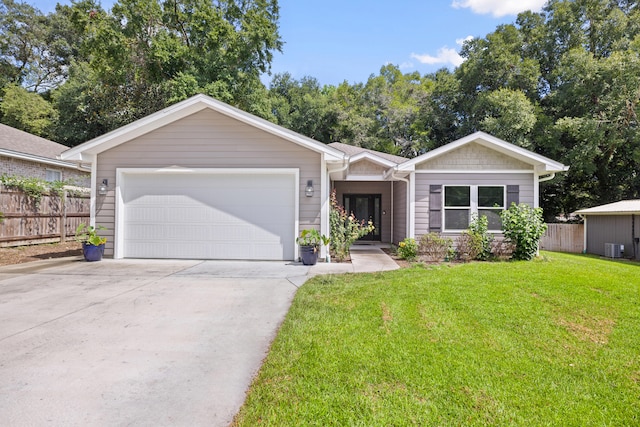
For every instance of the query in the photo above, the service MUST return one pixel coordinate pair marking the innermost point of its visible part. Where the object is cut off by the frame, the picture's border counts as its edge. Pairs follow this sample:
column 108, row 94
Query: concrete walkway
column 365, row 258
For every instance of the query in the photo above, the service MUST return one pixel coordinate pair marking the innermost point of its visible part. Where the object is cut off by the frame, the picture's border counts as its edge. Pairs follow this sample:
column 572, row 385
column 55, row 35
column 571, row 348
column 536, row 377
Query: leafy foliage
column 88, row 234
column 408, row 249
column 562, row 83
column 345, row 229
column 35, row 188
column 434, row 247
column 478, row 228
column 523, row 226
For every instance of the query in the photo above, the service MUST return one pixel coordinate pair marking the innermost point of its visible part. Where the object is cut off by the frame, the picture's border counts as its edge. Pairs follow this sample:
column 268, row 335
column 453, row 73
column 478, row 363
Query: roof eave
column 40, row 159
column 184, row 109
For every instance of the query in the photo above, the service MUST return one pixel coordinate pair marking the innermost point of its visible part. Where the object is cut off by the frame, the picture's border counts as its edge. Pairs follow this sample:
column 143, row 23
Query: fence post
column 63, row 217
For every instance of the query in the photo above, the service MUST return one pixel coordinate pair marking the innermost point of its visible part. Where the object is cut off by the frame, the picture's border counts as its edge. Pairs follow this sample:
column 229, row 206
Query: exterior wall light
column 308, row 191
column 104, row 187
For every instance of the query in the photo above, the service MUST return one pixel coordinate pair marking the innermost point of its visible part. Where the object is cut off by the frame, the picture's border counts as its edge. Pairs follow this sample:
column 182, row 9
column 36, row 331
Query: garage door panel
column 209, row 216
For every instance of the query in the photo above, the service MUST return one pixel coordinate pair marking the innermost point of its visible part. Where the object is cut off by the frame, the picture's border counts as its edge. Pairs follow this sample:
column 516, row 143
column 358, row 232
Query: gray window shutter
column 513, row 195
column 435, row 208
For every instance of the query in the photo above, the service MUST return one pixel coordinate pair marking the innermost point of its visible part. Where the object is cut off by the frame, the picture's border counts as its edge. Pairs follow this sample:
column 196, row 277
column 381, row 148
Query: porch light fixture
column 104, row 187
column 308, row 191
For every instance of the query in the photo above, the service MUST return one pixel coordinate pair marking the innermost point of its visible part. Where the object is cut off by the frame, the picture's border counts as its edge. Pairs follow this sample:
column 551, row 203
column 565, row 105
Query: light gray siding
column 474, row 157
column 370, row 187
column 424, row 180
column 208, row 139
column 399, row 211
column 603, row 229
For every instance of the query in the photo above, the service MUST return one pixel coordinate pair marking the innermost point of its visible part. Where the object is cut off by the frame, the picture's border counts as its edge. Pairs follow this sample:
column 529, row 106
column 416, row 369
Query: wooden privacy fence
column 563, row 238
column 51, row 219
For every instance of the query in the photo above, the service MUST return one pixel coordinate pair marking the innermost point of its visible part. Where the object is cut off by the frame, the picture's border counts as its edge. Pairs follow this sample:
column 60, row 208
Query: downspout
column 634, row 243
column 345, row 165
column 584, row 239
column 391, row 183
column 406, row 181
column 547, row 178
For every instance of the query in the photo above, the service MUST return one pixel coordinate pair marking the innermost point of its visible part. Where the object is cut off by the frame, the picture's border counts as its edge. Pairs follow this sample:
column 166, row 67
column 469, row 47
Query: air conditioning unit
column 613, row 250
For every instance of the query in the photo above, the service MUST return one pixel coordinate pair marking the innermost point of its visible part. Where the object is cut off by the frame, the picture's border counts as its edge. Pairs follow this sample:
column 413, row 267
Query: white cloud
column 499, row 8
column 444, row 56
column 459, row 42
column 406, row 66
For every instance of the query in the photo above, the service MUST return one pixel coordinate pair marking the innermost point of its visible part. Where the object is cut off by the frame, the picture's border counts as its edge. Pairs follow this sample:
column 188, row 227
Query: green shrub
column 478, row 228
column 523, row 226
column 345, row 229
column 434, row 247
column 408, row 249
column 468, row 246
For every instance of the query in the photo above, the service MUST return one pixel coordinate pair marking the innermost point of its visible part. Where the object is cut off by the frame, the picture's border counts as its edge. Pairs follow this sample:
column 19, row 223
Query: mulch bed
column 22, row 254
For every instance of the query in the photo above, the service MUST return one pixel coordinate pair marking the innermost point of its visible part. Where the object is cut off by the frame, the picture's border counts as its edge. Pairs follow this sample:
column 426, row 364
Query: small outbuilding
column 613, row 230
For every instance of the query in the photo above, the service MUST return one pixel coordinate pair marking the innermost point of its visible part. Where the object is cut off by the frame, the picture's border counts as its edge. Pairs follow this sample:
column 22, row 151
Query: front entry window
column 365, row 207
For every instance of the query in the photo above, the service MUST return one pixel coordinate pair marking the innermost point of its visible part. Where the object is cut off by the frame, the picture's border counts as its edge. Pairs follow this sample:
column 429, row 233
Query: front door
column 365, row 207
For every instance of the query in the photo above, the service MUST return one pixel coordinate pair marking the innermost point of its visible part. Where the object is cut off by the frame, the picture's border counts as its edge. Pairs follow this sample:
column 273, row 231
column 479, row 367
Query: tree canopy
column 564, row 83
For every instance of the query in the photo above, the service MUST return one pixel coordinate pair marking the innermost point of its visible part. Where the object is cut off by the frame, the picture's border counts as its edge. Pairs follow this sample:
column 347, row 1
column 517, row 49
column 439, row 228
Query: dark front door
column 365, row 207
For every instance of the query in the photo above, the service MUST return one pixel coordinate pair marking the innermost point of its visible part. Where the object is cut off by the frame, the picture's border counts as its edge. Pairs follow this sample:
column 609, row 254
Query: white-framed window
column 461, row 201
column 52, row 175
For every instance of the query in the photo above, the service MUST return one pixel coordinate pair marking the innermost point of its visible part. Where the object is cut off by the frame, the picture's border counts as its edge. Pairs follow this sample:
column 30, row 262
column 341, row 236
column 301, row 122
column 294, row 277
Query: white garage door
column 212, row 215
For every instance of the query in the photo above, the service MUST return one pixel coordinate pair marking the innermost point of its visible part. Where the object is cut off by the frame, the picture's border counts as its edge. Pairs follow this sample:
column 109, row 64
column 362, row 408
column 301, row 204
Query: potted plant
column 92, row 243
column 309, row 242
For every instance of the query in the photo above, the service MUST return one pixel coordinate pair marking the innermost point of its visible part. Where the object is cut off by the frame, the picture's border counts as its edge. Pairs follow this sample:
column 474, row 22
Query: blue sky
column 338, row 40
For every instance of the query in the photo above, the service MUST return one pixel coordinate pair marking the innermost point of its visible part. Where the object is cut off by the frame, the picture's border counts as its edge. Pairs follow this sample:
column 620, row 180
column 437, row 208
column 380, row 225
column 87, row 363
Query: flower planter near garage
column 92, row 243
column 309, row 255
column 310, row 241
column 92, row 252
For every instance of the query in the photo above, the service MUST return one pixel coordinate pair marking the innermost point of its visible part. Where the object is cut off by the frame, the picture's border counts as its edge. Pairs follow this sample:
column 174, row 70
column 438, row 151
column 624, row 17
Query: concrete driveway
column 136, row 342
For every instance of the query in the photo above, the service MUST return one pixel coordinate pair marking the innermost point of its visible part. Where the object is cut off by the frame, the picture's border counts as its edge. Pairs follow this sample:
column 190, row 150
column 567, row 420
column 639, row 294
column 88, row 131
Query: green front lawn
column 554, row 341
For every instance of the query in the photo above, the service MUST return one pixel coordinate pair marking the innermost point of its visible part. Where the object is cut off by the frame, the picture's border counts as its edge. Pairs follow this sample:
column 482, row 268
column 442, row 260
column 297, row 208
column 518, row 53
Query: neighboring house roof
column 25, row 146
column 623, row 207
column 542, row 164
column 85, row 152
column 353, row 151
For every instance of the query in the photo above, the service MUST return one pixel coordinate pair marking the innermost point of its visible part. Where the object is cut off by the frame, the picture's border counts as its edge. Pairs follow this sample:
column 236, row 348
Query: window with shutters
column 461, row 201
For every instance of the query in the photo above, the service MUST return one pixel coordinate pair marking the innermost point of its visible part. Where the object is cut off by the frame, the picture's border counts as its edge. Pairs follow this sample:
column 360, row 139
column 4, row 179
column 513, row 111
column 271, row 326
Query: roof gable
column 541, row 164
column 87, row 150
column 474, row 156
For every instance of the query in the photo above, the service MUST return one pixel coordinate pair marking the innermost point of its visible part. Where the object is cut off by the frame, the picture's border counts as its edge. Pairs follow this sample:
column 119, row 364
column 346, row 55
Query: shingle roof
column 621, row 207
column 353, row 150
column 22, row 142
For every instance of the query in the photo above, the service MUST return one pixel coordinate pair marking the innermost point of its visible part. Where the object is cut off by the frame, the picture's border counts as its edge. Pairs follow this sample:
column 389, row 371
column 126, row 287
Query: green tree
column 26, row 110
column 146, row 54
column 34, row 48
column 507, row 114
column 302, row 106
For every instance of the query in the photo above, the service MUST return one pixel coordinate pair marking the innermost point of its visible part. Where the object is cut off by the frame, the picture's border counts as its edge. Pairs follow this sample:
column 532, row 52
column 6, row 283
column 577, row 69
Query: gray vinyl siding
column 424, row 180
column 370, row 187
column 603, row 229
column 399, row 211
column 208, row 139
